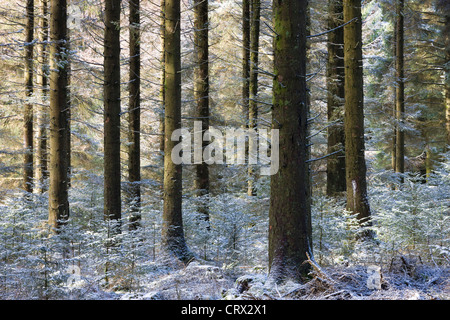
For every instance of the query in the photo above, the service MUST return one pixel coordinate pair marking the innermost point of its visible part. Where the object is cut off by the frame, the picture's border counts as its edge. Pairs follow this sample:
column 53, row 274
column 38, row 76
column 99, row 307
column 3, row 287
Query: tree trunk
column 357, row 201
column 28, row 112
column 134, row 151
column 111, row 96
column 201, row 94
column 400, row 92
column 394, row 109
column 445, row 8
column 289, row 220
column 42, row 154
column 245, row 55
column 58, row 188
column 173, row 241
column 162, row 88
column 246, row 66
column 335, row 100
column 253, row 86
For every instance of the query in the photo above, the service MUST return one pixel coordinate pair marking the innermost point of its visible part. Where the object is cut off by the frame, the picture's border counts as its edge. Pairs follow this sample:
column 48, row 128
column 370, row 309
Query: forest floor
column 405, row 280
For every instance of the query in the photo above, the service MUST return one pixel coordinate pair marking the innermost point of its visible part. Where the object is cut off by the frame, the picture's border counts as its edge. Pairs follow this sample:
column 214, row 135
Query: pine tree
column 400, row 91
column 289, row 220
column 42, row 121
column 173, row 240
column 357, row 201
column 58, row 188
column 111, row 96
column 134, row 131
column 444, row 9
column 201, row 93
column 335, row 100
column 28, row 113
column 253, row 85
column 162, row 87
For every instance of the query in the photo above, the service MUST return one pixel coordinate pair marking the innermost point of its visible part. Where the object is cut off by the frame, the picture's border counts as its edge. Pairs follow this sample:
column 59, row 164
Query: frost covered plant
column 235, row 233
column 413, row 217
column 334, row 230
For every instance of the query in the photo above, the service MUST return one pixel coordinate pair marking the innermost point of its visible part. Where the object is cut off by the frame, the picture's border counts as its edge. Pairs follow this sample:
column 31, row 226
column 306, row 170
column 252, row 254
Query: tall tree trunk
column 134, row 151
column 444, row 8
column 335, row 100
column 111, row 96
column 447, row 84
column 58, row 188
column 289, row 220
column 69, row 109
column 41, row 152
column 201, row 94
column 246, row 65
column 253, row 86
column 28, row 112
column 162, row 88
column 357, row 201
column 400, row 92
column 245, row 55
column 173, row 240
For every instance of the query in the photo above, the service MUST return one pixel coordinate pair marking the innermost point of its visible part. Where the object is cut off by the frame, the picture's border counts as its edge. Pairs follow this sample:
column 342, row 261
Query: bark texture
column 42, row 121
column 201, row 94
column 59, row 117
column 173, row 240
column 134, row 114
column 253, row 87
column 399, row 91
column 111, row 96
column 335, row 100
column 28, row 112
column 289, row 214
column 357, row 201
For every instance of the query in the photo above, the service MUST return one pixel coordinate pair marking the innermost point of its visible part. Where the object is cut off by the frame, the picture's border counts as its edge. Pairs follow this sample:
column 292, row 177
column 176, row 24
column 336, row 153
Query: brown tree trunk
column 28, row 112
column 289, row 220
column 246, row 64
column 58, row 188
column 357, row 201
column 42, row 154
column 253, row 86
column 111, row 96
column 201, row 94
column 173, row 241
column 162, row 88
column 444, row 7
column 134, row 151
column 400, row 92
column 335, row 100
column 245, row 55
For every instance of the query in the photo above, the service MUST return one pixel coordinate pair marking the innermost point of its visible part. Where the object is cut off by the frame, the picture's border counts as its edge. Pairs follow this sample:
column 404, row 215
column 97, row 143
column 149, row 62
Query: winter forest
column 224, row 150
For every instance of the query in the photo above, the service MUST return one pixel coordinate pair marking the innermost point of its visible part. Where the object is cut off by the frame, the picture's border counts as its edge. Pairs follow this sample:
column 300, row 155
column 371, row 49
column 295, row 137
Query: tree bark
column 245, row 56
column 162, row 88
column 173, row 241
column 357, row 201
column 289, row 220
column 111, row 96
column 58, row 187
column 253, row 86
column 335, row 100
column 246, row 64
column 28, row 112
column 41, row 152
column 445, row 9
column 201, row 94
column 134, row 151
column 400, row 92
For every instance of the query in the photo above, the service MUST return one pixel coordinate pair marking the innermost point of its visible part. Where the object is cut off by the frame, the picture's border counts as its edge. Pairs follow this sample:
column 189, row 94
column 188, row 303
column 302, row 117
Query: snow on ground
column 208, row 282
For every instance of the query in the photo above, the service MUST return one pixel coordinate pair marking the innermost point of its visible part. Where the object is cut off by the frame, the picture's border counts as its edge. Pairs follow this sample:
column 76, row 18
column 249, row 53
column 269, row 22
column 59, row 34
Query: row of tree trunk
column 290, row 243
